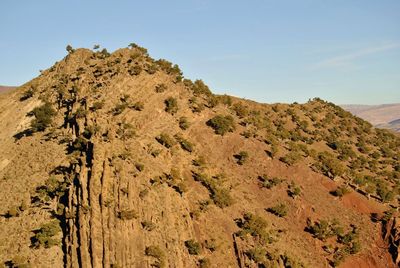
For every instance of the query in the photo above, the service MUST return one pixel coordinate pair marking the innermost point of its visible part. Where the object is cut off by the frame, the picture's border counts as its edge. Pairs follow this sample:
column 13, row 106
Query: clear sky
column 344, row 51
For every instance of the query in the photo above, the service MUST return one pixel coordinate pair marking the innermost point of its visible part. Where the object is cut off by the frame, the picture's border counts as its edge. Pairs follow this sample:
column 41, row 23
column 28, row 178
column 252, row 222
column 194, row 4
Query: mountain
column 382, row 116
column 5, row 88
column 117, row 160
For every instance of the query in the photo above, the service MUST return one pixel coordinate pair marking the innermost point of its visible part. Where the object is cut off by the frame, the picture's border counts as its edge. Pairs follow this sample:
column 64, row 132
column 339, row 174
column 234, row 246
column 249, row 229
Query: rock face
column 392, row 237
column 139, row 167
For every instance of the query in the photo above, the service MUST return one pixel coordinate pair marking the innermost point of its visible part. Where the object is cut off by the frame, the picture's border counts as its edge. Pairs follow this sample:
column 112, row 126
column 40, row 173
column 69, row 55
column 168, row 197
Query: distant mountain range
column 382, row 116
column 5, row 88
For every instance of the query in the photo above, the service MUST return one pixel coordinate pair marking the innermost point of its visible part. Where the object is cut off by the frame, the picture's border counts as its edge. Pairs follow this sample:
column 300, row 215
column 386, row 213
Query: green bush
column 291, row 158
column 185, row 144
column 138, row 106
column 240, row 110
column 341, row 191
column 184, row 123
column 222, row 124
column 193, row 247
column 269, row 182
column 135, row 70
column 279, row 210
column 199, row 88
column 127, row 214
column 219, row 195
column 161, row 88
column 43, row 117
column 293, row 190
column 148, row 225
column 44, row 236
column 255, row 226
column 324, row 229
column 157, row 253
column 171, row 105
column 139, row 167
column 27, row 95
column 166, row 140
column 241, row 157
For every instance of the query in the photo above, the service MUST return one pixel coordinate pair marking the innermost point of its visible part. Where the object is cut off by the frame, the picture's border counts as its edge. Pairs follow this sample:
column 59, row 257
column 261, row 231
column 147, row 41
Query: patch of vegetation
column 340, row 191
column 241, row 157
column 157, row 253
column 165, row 140
column 291, row 158
column 269, row 182
column 27, row 94
column 221, row 196
column 329, row 165
column 279, row 210
column 160, row 88
column 193, row 247
column 171, row 105
column 185, row 144
column 138, row 106
column 199, row 88
column 184, row 123
column 293, row 190
column 222, row 124
column 148, row 225
column 255, row 226
column 119, row 108
column 45, row 235
column 324, row 229
column 240, row 110
column 127, row 214
column 43, row 117
column 125, row 131
column 139, row 167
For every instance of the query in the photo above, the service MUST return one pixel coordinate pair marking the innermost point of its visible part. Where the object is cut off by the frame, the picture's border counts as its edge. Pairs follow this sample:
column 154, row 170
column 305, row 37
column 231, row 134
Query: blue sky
column 344, row 51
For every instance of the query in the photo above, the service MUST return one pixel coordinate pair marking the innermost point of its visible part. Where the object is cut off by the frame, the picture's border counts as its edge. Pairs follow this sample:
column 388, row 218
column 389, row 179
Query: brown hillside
column 115, row 160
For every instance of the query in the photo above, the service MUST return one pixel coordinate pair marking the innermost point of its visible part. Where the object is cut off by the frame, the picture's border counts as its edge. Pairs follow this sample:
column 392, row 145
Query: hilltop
column 117, row 160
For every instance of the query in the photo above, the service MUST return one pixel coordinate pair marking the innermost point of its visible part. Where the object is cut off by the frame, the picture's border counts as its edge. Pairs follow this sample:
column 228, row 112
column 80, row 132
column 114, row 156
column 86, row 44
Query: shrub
column 340, row 191
column 148, row 225
column 329, row 165
column 293, row 190
column 199, row 88
column 324, row 229
column 166, row 140
column 193, row 247
column 219, row 195
column 69, row 49
column 184, row 123
column 161, row 88
column 43, row 117
column 204, row 263
column 222, row 124
column 279, row 210
column 199, row 162
column 241, row 157
column 171, row 105
column 255, row 226
column 157, row 253
column 44, row 236
column 127, row 214
column 240, row 110
column 256, row 254
column 291, row 158
column 27, row 95
column 135, row 70
column 119, row 108
column 97, row 106
column 138, row 106
column 139, row 167
column 269, row 183
column 185, row 144
column 125, row 131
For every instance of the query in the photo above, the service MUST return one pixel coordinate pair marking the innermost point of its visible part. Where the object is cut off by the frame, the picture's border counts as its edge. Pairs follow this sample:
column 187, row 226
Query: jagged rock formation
column 392, row 237
column 143, row 168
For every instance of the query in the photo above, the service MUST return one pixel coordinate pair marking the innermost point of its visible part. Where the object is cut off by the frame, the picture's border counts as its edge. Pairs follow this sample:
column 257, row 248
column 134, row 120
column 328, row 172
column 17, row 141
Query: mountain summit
column 117, row 160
